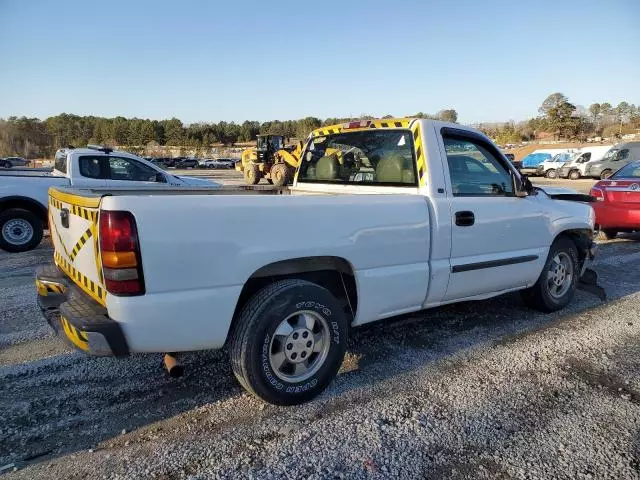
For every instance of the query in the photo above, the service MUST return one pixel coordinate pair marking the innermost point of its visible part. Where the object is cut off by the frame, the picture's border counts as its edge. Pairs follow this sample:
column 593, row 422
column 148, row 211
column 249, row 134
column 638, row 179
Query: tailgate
column 623, row 192
column 73, row 222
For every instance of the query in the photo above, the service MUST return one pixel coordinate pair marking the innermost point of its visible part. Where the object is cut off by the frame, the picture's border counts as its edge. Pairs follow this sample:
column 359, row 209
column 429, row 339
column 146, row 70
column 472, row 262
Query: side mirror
column 521, row 186
column 160, row 178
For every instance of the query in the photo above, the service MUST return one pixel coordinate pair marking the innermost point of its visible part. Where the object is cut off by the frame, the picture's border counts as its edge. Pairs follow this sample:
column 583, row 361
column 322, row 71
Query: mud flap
column 589, row 283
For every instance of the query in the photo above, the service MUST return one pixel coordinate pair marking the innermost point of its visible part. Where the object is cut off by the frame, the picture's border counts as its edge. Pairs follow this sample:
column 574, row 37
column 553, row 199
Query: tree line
column 562, row 119
column 32, row 137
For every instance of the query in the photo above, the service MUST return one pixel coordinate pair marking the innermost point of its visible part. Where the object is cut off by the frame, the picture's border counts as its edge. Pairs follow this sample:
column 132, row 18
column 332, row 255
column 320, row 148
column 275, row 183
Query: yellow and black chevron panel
column 55, row 202
column 80, row 243
column 75, row 336
column 95, row 291
column 420, row 158
column 386, row 123
column 45, row 288
column 85, row 213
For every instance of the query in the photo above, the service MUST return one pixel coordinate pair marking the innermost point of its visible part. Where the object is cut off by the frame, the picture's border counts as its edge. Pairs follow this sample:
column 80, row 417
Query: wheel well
column 582, row 238
column 25, row 204
column 333, row 273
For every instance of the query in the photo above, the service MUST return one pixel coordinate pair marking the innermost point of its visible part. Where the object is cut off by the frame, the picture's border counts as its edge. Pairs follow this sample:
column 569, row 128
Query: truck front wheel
column 289, row 342
column 551, row 173
column 557, row 282
column 280, row 174
column 20, row 230
column 251, row 174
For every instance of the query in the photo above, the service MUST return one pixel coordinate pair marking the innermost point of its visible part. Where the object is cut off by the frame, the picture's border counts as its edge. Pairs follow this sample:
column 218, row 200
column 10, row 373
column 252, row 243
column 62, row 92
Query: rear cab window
column 60, row 163
column 365, row 157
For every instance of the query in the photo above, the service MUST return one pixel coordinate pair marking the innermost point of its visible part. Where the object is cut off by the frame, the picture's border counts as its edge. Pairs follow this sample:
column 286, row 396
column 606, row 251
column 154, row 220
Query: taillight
column 120, row 253
column 597, row 193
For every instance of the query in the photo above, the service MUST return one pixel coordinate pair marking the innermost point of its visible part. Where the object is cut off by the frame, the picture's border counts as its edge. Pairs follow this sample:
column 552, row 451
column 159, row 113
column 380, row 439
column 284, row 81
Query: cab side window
column 474, row 170
column 91, row 167
column 623, row 154
column 127, row 169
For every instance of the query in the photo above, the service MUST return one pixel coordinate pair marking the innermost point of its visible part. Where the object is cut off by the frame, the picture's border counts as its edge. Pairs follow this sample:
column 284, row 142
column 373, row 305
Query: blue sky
column 262, row 60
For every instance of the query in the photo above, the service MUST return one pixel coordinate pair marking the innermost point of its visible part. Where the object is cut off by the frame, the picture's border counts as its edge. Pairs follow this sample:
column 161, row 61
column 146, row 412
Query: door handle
column 465, row 218
column 64, row 217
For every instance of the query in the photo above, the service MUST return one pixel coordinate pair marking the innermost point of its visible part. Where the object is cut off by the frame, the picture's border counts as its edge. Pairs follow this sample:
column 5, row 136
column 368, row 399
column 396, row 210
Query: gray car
column 620, row 155
column 13, row 162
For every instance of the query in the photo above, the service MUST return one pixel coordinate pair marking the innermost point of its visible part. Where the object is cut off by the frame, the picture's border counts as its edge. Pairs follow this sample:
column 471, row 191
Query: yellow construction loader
column 271, row 160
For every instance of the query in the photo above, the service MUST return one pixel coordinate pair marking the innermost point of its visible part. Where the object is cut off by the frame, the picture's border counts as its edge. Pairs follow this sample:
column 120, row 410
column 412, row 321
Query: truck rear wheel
column 557, row 282
column 606, row 174
column 20, row 230
column 289, row 342
column 574, row 174
column 280, row 174
column 251, row 174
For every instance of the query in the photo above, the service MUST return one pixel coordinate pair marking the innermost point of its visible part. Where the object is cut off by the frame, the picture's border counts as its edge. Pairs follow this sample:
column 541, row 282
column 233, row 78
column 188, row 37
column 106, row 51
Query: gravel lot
column 477, row 390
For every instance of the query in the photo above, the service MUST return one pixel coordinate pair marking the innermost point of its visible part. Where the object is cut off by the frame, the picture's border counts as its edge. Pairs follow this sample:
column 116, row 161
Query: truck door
column 498, row 241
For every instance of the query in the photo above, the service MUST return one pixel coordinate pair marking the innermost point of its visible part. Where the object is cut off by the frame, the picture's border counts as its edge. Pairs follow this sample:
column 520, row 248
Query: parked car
column 529, row 164
column 618, row 205
column 24, row 198
column 576, row 166
column 217, row 163
column 549, row 168
column 186, row 163
column 385, row 222
column 9, row 162
column 615, row 158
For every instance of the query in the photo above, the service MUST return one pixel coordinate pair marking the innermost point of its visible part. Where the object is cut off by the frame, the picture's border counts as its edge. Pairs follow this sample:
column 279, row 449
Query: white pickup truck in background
column 24, row 194
column 384, row 218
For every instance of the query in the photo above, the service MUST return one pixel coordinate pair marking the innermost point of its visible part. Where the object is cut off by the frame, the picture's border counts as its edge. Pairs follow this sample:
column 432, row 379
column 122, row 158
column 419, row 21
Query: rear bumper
column 610, row 216
column 529, row 170
column 76, row 317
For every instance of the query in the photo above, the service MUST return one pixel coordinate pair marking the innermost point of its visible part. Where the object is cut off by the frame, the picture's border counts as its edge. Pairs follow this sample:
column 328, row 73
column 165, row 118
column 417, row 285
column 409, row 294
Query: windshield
column 371, row 157
column 611, row 154
column 628, row 171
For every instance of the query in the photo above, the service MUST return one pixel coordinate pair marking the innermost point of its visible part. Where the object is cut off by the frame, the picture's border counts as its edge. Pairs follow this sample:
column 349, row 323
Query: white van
column 575, row 167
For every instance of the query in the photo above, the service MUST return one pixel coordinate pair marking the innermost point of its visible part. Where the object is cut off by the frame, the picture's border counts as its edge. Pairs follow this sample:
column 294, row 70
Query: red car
column 618, row 205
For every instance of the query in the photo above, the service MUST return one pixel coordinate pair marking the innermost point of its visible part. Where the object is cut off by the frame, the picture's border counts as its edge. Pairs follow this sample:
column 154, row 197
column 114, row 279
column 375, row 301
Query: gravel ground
column 477, row 390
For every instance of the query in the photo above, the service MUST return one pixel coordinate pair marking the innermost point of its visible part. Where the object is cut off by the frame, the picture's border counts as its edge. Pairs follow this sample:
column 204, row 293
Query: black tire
column 253, row 338
column 608, row 233
column 538, row 296
column 606, row 173
column 574, row 174
column 280, row 174
column 551, row 173
column 251, row 174
column 10, row 245
column 5, row 164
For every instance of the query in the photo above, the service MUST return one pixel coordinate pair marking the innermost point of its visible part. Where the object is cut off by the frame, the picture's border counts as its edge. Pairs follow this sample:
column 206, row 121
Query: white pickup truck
column 384, row 218
column 23, row 195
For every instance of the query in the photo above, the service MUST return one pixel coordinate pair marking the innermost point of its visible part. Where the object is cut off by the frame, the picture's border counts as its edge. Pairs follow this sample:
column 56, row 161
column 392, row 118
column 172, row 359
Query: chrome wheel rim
column 17, row 231
column 560, row 275
column 299, row 346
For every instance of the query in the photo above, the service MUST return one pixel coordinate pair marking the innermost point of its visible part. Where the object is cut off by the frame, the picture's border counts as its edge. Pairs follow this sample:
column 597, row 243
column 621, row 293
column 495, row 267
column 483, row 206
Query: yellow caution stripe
column 385, row 123
column 46, row 287
column 91, row 288
column 80, row 243
column 420, row 158
column 77, row 337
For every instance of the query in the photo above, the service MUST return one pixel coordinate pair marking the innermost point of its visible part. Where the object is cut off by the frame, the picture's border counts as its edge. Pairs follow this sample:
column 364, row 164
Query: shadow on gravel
column 72, row 402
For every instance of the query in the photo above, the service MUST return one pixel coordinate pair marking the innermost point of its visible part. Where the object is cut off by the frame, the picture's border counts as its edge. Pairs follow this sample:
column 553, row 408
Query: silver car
column 616, row 158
